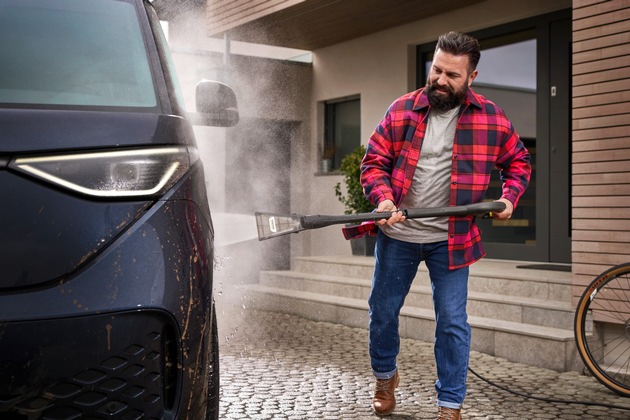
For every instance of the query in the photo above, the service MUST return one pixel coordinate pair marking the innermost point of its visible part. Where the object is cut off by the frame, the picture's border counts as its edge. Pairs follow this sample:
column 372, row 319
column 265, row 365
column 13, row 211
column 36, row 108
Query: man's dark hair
column 457, row 43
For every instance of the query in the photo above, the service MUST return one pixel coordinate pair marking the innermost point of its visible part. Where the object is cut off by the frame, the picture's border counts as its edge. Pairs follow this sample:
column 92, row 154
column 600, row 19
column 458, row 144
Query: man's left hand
column 505, row 214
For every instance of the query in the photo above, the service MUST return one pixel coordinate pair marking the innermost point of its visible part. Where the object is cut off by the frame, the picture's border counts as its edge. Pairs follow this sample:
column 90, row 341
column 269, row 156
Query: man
column 435, row 147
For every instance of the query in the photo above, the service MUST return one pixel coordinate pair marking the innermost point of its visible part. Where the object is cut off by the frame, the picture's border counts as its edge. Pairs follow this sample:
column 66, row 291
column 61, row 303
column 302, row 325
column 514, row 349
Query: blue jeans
column 396, row 265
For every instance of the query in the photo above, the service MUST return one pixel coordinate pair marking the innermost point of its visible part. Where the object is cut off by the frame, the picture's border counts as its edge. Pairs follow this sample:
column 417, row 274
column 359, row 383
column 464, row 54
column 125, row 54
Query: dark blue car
column 106, row 240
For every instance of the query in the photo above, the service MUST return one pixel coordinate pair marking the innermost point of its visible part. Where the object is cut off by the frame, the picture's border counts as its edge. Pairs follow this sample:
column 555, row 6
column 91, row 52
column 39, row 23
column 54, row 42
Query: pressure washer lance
column 271, row 225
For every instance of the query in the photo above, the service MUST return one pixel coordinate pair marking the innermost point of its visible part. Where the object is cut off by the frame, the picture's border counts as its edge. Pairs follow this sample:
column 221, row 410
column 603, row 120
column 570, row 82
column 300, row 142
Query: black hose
column 549, row 400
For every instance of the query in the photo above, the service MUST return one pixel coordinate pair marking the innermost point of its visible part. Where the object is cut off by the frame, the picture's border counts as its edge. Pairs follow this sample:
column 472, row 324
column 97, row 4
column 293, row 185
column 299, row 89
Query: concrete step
column 486, row 276
column 543, row 312
column 535, row 345
column 521, row 314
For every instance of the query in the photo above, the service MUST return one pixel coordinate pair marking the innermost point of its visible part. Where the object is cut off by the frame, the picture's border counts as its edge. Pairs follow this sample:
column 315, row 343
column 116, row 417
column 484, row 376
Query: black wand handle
column 477, row 209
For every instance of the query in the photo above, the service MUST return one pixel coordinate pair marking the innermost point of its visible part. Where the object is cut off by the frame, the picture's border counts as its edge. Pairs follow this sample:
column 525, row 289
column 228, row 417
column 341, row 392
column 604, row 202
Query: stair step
column 515, row 341
column 486, row 276
column 510, row 308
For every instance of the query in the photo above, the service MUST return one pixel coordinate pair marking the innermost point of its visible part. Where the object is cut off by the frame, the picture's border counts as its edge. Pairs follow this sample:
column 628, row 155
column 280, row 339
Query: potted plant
column 354, row 200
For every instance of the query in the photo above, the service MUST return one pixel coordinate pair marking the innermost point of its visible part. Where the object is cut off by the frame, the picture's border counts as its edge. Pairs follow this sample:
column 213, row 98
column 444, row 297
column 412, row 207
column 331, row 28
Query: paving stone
column 278, row 366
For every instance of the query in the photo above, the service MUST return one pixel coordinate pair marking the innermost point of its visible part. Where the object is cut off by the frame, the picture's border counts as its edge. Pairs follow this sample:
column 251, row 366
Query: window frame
column 330, row 149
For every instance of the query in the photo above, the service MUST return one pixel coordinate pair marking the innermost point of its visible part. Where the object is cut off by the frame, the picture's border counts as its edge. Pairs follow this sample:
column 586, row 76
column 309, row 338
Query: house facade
column 560, row 70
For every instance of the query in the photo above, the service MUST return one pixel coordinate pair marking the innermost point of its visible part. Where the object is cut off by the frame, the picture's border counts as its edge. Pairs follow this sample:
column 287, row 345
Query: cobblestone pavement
column 277, row 366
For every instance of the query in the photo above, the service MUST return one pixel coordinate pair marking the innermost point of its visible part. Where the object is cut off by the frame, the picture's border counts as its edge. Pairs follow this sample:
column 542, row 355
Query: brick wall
column 601, row 137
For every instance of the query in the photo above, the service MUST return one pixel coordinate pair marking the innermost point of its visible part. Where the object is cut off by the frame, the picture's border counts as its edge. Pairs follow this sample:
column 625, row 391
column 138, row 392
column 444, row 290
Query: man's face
column 448, row 80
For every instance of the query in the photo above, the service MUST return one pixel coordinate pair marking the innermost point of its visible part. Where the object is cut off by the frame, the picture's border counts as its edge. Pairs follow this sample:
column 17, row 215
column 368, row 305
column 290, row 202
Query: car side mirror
column 216, row 105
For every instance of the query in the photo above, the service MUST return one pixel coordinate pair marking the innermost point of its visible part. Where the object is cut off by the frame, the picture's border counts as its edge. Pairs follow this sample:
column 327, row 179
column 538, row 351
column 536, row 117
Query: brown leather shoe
column 449, row 414
column 384, row 400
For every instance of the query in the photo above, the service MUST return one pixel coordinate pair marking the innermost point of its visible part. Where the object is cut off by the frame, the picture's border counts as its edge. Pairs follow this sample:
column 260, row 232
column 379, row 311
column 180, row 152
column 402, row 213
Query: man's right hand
column 388, row 205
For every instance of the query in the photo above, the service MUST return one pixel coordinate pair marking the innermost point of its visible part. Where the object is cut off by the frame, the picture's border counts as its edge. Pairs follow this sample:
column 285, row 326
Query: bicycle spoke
column 612, row 302
column 602, row 326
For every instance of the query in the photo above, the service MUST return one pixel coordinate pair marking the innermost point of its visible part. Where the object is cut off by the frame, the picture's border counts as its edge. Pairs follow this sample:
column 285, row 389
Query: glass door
column 507, row 76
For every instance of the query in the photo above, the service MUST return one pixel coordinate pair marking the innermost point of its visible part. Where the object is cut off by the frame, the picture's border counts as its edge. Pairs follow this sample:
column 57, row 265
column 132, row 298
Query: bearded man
column 435, row 147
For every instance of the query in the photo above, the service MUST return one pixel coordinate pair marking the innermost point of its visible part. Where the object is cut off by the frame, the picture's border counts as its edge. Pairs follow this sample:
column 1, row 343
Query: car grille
column 135, row 378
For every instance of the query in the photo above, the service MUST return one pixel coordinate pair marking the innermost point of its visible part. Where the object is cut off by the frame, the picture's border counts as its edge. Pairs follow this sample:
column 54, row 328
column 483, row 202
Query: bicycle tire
column 606, row 355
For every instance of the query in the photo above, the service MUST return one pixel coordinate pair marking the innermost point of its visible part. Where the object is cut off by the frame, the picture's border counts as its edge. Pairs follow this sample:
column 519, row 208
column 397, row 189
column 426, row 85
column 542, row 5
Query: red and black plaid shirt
column 484, row 139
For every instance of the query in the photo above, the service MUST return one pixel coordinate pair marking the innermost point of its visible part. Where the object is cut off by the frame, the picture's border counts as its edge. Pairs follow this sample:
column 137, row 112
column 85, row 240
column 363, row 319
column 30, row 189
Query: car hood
column 28, row 130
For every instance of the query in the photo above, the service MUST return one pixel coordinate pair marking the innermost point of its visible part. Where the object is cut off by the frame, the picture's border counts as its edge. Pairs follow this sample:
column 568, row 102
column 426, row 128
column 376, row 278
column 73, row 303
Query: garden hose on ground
column 549, row 400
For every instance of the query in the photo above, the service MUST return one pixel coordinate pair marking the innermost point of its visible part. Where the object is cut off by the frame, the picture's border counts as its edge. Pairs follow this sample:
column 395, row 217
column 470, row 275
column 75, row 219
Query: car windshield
column 73, row 53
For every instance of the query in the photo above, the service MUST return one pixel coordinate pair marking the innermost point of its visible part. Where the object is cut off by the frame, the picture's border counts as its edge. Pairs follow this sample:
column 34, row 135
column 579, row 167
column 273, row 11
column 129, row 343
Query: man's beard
column 445, row 101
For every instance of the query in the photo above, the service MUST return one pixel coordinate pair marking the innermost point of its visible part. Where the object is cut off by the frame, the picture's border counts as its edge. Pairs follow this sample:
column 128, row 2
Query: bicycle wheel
column 602, row 328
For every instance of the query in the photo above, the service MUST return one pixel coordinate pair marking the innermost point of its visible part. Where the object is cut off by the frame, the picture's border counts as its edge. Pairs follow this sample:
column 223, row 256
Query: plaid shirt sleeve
column 393, row 151
column 391, row 156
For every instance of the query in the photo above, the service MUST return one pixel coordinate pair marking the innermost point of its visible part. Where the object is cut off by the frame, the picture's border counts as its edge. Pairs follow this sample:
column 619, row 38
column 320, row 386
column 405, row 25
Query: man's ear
column 471, row 77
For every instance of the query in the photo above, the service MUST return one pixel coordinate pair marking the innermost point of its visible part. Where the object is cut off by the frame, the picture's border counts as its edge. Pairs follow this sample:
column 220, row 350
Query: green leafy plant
column 353, row 199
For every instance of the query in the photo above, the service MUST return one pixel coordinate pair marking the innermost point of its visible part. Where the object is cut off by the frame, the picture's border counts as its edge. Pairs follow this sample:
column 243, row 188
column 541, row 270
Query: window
column 342, row 131
column 507, row 76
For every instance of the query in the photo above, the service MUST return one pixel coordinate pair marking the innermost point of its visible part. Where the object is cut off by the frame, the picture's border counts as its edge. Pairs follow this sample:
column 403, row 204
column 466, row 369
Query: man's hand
column 505, row 214
column 388, row 205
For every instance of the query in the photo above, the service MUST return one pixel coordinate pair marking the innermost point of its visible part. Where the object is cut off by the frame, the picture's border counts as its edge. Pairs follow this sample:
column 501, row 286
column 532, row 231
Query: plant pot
column 363, row 246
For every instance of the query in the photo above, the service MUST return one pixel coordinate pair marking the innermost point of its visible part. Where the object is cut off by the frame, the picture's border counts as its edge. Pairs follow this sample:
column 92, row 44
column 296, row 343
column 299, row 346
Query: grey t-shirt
column 431, row 182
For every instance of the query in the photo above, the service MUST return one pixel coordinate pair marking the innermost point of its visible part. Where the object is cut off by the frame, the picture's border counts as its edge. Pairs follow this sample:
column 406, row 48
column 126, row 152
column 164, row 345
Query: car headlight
column 120, row 173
